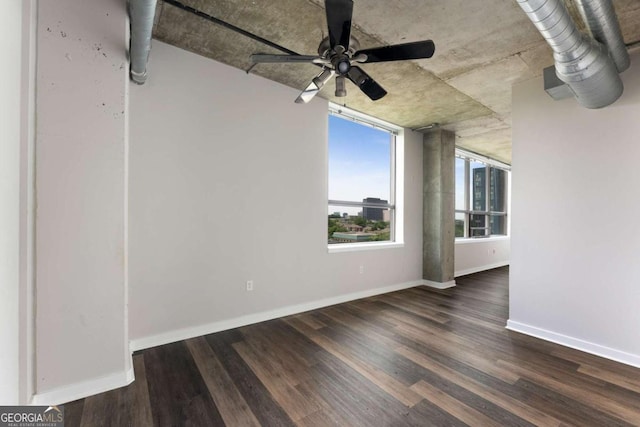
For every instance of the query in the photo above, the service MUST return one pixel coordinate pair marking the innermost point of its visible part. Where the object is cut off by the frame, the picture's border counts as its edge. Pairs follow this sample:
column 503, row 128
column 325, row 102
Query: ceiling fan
column 339, row 54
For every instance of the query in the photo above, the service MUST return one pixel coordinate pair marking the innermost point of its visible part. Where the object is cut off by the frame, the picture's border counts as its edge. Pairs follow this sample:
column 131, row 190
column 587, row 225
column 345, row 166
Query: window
column 481, row 196
column 362, row 179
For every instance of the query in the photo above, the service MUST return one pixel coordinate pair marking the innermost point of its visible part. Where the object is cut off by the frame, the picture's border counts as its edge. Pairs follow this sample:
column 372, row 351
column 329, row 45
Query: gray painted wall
column 10, row 143
column 575, row 245
column 473, row 255
column 81, row 166
column 228, row 184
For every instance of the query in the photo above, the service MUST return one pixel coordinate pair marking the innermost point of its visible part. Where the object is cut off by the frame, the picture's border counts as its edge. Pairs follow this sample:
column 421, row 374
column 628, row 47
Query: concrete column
column 81, row 180
column 438, row 209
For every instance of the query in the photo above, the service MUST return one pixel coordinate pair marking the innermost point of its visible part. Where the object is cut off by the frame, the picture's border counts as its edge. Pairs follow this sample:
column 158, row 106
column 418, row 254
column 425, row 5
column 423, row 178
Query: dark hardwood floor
column 415, row 357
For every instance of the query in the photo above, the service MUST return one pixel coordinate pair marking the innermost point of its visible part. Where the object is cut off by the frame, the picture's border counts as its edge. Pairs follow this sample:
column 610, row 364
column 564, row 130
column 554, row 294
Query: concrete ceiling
column 482, row 48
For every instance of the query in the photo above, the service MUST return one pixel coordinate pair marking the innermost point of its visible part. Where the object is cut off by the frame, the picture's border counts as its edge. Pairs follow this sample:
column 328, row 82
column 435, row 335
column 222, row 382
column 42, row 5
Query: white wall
column 81, row 161
column 575, row 262
column 474, row 255
column 10, row 142
column 229, row 183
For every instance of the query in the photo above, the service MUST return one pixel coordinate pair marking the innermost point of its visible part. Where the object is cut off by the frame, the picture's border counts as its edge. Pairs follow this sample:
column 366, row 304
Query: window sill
column 469, row 240
column 356, row 247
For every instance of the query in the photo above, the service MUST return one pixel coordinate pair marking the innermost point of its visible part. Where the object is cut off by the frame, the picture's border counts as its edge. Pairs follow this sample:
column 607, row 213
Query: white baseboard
column 480, row 268
column 62, row 395
column 223, row 325
column 130, row 375
column 578, row 344
column 439, row 285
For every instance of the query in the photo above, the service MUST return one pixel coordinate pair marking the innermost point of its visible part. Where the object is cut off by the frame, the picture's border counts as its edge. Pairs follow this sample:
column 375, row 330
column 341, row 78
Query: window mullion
column 487, row 200
column 392, row 190
column 467, row 197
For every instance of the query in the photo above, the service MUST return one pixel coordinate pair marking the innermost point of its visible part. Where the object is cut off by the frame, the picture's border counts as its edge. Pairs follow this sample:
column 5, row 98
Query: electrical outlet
column 362, row 269
column 249, row 285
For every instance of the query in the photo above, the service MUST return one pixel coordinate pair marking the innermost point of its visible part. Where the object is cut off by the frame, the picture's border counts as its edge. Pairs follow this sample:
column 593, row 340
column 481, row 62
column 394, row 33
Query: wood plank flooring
column 418, row 357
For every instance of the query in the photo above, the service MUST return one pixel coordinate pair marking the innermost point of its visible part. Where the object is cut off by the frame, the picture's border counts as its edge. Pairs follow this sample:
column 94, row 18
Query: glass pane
column 498, row 224
column 478, row 186
column 359, row 161
column 459, row 224
column 347, row 227
column 498, row 190
column 477, row 225
column 460, row 184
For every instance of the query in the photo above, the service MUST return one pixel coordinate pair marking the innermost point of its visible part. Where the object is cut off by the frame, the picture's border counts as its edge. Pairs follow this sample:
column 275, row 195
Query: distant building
column 497, row 184
column 354, row 227
column 374, row 214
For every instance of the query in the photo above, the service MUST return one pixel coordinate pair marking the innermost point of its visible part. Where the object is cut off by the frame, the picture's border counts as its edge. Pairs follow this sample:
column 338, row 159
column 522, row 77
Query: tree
column 378, row 225
column 359, row 220
column 381, row 237
column 335, row 226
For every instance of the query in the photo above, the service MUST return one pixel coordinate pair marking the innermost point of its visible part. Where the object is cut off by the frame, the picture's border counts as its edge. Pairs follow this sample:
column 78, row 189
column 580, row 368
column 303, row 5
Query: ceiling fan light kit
column 339, row 55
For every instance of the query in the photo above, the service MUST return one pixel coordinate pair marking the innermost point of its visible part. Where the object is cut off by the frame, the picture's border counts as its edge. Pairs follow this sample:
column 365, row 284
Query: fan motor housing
column 325, row 51
column 341, row 64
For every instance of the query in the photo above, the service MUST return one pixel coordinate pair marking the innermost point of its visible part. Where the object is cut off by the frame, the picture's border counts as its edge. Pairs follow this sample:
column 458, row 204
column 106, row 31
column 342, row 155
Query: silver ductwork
column 141, row 13
column 601, row 19
column 580, row 61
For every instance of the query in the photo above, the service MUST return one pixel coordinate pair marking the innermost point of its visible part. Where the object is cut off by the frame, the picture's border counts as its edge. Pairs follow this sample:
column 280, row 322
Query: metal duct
column 601, row 19
column 141, row 13
column 581, row 62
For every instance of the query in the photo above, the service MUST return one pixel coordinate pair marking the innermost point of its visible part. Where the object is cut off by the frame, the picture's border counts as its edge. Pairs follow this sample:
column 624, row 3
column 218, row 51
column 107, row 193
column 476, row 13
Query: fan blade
column 399, row 52
column 366, row 84
column 339, row 13
column 265, row 58
column 308, row 94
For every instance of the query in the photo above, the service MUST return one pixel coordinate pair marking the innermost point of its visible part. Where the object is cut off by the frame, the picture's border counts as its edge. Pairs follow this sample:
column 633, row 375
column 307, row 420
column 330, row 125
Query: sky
column 359, row 163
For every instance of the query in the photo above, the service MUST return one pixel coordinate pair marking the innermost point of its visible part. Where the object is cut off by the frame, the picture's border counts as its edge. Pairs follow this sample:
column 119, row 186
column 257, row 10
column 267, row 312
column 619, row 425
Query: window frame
column 468, row 210
column 396, row 190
